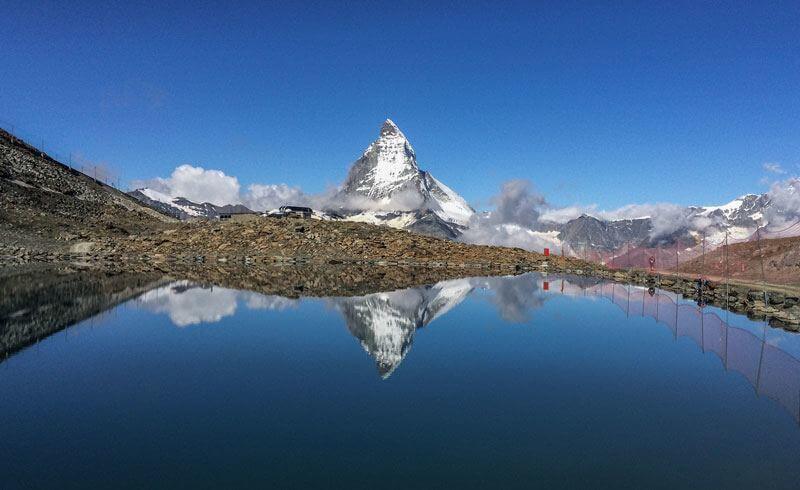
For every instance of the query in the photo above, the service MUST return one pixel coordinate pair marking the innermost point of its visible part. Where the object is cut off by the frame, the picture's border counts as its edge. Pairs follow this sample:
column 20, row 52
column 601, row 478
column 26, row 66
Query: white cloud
column 774, row 168
column 264, row 197
column 785, row 197
column 483, row 232
column 201, row 185
column 186, row 304
column 513, row 222
column 256, row 301
column 568, row 213
column 197, row 184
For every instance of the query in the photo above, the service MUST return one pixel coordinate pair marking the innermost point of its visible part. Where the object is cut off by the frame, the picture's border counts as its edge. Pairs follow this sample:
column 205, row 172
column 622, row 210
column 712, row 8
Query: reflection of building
column 771, row 371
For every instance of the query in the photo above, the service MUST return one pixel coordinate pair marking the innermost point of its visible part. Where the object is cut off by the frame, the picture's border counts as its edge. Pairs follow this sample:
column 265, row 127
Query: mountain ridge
column 386, row 186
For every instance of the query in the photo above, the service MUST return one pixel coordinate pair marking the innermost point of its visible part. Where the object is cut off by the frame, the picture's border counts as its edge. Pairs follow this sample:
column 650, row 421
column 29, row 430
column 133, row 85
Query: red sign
column 546, row 252
column 546, row 285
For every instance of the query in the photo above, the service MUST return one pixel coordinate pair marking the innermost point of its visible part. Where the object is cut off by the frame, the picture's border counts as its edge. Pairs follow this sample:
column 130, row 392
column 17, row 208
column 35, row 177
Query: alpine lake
column 527, row 381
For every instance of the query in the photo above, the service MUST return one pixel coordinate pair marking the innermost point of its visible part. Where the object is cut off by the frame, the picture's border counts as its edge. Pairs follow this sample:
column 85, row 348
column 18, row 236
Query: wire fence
column 766, row 357
column 59, row 151
column 766, row 254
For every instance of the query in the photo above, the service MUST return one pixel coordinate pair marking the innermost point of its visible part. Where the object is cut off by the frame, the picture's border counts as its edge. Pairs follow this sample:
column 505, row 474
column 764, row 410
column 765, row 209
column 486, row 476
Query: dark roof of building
column 296, row 208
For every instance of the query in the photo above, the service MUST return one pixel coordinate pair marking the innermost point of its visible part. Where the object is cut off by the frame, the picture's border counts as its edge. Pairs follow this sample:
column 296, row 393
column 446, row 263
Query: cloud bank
column 188, row 304
column 785, row 197
column 521, row 217
column 201, row 185
column 514, row 222
column 205, row 185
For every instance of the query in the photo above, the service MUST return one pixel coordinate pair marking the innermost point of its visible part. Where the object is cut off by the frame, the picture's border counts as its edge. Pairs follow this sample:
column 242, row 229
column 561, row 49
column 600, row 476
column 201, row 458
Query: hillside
column 306, row 240
column 46, row 206
column 781, row 261
column 50, row 212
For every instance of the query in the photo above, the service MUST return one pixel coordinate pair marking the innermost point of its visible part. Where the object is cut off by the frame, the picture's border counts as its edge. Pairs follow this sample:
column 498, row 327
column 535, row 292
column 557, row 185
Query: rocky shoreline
column 295, row 277
column 190, row 250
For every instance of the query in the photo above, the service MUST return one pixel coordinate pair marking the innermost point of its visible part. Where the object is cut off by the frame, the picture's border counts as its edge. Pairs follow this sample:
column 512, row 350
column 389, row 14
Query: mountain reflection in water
column 385, row 323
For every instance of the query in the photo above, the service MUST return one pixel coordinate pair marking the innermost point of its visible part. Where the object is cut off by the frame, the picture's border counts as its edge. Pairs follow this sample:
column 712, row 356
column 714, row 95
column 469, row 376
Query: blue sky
column 607, row 103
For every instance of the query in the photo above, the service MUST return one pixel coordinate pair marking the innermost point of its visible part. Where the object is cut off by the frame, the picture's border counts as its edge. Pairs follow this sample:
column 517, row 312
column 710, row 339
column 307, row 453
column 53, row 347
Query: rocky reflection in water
column 35, row 304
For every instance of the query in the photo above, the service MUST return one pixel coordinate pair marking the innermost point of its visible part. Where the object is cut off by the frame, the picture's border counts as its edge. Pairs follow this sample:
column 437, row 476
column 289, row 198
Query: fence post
column 725, row 256
column 703, row 260
column 761, row 259
column 628, row 245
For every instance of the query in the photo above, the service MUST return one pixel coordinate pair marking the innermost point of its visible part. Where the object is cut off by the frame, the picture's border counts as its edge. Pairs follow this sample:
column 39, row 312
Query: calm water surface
column 472, row 383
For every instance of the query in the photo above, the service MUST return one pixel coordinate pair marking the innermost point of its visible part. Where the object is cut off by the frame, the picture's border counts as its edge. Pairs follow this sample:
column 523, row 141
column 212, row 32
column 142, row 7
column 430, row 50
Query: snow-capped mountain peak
column 746, row 210
column 387, row 178
column 386, row 165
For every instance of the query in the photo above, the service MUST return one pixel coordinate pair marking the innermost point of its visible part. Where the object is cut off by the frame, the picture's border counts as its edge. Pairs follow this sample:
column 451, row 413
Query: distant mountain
column 182, row 208
column 745, row 211
column 386, row 186
column 606, row 235
column 738, row 219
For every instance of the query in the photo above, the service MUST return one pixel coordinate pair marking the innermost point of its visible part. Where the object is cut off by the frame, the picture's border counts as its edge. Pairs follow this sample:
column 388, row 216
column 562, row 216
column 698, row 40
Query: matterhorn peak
column 388, row 176
column 386, row 165
column 389, row 128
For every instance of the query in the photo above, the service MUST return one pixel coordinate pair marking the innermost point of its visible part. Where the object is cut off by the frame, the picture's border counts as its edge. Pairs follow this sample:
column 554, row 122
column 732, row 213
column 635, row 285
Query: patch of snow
column 383, row 218
column 726, row 209
column 453, row 207
column 156, row 195
column 395, row 163
column 166, row 199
